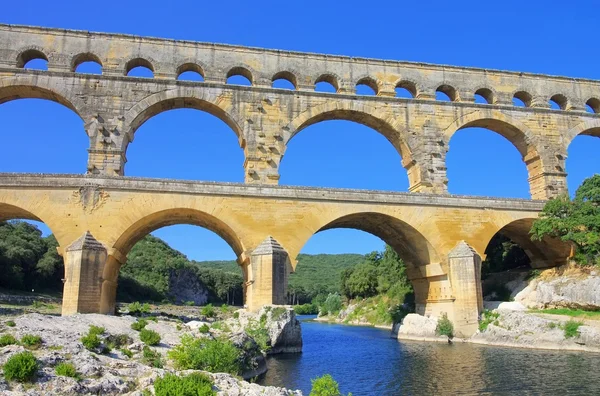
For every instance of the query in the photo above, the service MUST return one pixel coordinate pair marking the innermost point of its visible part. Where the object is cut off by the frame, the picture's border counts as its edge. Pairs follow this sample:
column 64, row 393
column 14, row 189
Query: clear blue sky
column 534, row 36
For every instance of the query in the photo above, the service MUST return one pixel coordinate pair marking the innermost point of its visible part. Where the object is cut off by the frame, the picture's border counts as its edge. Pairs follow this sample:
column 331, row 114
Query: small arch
column 190, row 72
column 558, row 102
column 522, row 99
column 86, row 63
column 446, row 93
column 32, row 55
column 406, row 89
column 593, row 105
column 484, row 96
column 367, row 86
column 143, row 68
column 284, row 80
column 239, row 75
column 327, row 83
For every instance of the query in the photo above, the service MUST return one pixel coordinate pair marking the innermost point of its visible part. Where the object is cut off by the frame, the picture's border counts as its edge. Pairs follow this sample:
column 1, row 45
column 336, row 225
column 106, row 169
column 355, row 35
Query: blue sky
column 534, row 36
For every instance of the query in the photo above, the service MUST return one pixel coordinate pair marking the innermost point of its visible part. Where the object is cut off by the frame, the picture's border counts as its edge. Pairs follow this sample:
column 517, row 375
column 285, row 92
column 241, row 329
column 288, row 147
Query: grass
column 31, row 341
column 571, row 328
column 575, row 313
column 67, row 370
column 487, row 318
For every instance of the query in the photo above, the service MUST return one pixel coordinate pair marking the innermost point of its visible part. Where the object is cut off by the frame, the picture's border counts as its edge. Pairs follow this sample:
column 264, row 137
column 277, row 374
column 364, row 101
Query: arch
column 588, row 128
column 84, row 57
column 178, row 99
column 487, row 94
column 138, row 62
column 329, row 78
column 30, row 54
column 594, row 104
column 173, row 216
column 524, row 97
column 408, row 85
column 369, row 82
column 449, row 91
column 241, row 71
column 190, row 67
column 286, row 75
column 561, row 101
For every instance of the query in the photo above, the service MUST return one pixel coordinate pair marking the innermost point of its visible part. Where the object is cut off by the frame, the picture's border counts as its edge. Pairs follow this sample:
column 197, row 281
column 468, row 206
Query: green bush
column 258, row 331
column 325, row 386
column 139, row 324
column 306, row 309
column 91, row 340
column 67, row 370
column 118, row 341
column 151, row 357
column 278, row 312
column 488, row 317
column 217, row 356
column 10, row 323
column 136, row 309
column 20, row 367
column 332, row 304
column 571, row 328
column 190, row 303
column 236, row 315
column 195, row 384
column 7, row 339
column 208, row 311
column 204, row 328
column 31, row 341
column 444, row 326
column 149, row 337
column 97, row 330
column 126, row 352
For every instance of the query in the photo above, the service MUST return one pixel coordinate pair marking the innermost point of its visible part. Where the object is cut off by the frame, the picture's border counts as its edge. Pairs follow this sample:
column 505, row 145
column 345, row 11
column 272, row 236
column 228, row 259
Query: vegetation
column 7, row 339
column 208, row 311
column 67, row 370
column 204, row 328
column 139, row 324
column 149, row 337
column 306, row 309
column 118, row 341
column 444, row 326
column 126, row 352
column 332, row 304
column 31, row 341
column 10, row 323
column 576, row 221
column 571, row 328
column 503, row 254
column 576, row 313
column 488, row 317
column 325, row 386
column 151, row 357
column 258, row 331
column 20, row 367
column 136, row 308
column 91, row 341
column 195, row 384
column 214, row 355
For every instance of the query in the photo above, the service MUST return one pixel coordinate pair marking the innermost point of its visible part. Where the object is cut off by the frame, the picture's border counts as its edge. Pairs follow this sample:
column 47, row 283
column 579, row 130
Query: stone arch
column 25, row 54
column 370, row 82
column 449, row 90
column 523, row 96
column 589, row 127
column 244, row 71
column 330, row 78
column 191, row 65
column 181, row 98
column 139, row 61
column 84, row 57
column 410, row 85
column 487, row 93
column 287, row 75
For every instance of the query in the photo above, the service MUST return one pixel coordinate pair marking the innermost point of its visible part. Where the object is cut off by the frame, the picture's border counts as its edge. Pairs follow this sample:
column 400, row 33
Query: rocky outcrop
column 562, row 292
column 185, row 286
column 419, row 328
column 283, row 328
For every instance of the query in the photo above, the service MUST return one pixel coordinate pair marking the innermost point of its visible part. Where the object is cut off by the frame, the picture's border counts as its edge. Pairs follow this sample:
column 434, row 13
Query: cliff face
column 185, row 286
column 562, row 292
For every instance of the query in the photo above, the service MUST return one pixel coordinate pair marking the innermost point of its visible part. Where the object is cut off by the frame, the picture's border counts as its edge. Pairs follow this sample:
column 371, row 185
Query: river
column 366, row 361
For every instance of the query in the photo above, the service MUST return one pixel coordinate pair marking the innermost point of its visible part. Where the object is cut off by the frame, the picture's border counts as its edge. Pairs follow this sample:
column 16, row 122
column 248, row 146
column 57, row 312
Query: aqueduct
column 97, row 217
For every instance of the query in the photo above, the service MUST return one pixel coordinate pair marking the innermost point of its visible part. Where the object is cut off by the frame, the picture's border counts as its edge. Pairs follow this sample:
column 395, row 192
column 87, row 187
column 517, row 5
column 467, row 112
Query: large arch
column 587, row 128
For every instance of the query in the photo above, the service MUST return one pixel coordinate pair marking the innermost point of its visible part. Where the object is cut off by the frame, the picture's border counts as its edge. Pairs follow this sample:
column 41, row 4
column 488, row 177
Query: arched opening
column 206, row 131
column 284, row 80
column 341, row 146
column 445, row 93
column 139, row 67
column 484, row 96
column 522, row 99
column 592, row 105
column 473, row 168
column 367, row 86
column 558, row 102
column 582, row 155
column 32, row 59
column 182, row 256
column 86, row 63
column 406, row 90
column 190, row 72
column 239, row 76
column 44, row 132
column 326, row 83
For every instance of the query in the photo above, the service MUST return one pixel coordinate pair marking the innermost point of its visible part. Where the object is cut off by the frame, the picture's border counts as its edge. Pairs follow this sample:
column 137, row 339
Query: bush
column 488, row 317
column 444, row 326
column 260, row 334
column 216, row 356
column 571, row 328
column 118, row 341
column 204, row 329
column 236, row 315
column 208, row 311
column 136, row 309
column 152, row 358
column 67, row 370
column 332, row 304
column 126, row 352
column 190, row 303
column 97, row 330
column 325, row 386
column 7, row 339
column 91, row 340
column 195, row 384
column 306, row 309
column 31, row 341
column 10, row 323
column 139, row 324
column 149, row 337
column 20, row 367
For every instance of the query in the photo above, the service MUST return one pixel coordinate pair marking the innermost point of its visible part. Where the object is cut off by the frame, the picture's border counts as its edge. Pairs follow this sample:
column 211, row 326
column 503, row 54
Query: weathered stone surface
column 562, row 292
column 284, row 329
column 418, row 327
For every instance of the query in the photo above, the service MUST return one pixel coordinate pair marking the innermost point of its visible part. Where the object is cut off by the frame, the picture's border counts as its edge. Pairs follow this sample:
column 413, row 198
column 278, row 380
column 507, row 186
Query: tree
column 575, row 221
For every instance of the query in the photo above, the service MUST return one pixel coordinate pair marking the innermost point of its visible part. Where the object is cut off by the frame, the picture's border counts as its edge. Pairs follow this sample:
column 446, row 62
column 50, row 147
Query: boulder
column 418, row 327
column 575, row 292
column 283, row 328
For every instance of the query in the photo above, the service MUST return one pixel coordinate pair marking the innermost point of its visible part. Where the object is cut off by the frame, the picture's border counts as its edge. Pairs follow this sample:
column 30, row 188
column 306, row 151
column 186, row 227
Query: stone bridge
column 97, row 220
column 98, row 217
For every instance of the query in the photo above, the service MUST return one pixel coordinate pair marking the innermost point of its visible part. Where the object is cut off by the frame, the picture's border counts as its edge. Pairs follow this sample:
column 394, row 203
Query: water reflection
column 365, row 361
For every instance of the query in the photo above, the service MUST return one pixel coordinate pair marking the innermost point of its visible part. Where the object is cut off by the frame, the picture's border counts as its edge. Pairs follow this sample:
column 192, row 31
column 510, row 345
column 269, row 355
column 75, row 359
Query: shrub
column 20, row 367
column 278, row 312
column 126, row 352
column 67, row 370
column 149, row 337
column 136, row 309
column 91, row 340
column 118, row 341
column 204, row 329
column 225, row 308
column 10, row 323
column 217, row 356
column 195, row 384
column 325, row 386
column 31, row 341
column 208, row 311
column 259, row 333
column 236, row 315
column 139, row 324
column 190, row 303
column 488, row 317
column 444, row 326
column 332, row 304
column 571, row 328
column 306, row 309
column 7, row 339
column 97, row 330
column 152, row 358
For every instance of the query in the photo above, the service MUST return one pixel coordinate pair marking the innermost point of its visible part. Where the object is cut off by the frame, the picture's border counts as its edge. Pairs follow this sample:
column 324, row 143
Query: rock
column 504, row 305
column 196, row 324
column 283, row 328
column 184, row 286
column 417, row 327
column 253, row 360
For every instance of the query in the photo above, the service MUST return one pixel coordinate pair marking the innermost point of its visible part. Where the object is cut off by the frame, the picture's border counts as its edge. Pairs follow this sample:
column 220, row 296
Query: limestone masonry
column 98, row 217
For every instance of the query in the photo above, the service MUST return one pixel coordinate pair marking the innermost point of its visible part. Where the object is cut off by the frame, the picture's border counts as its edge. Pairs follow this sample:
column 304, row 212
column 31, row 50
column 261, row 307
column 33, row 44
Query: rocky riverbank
column 131, row 367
